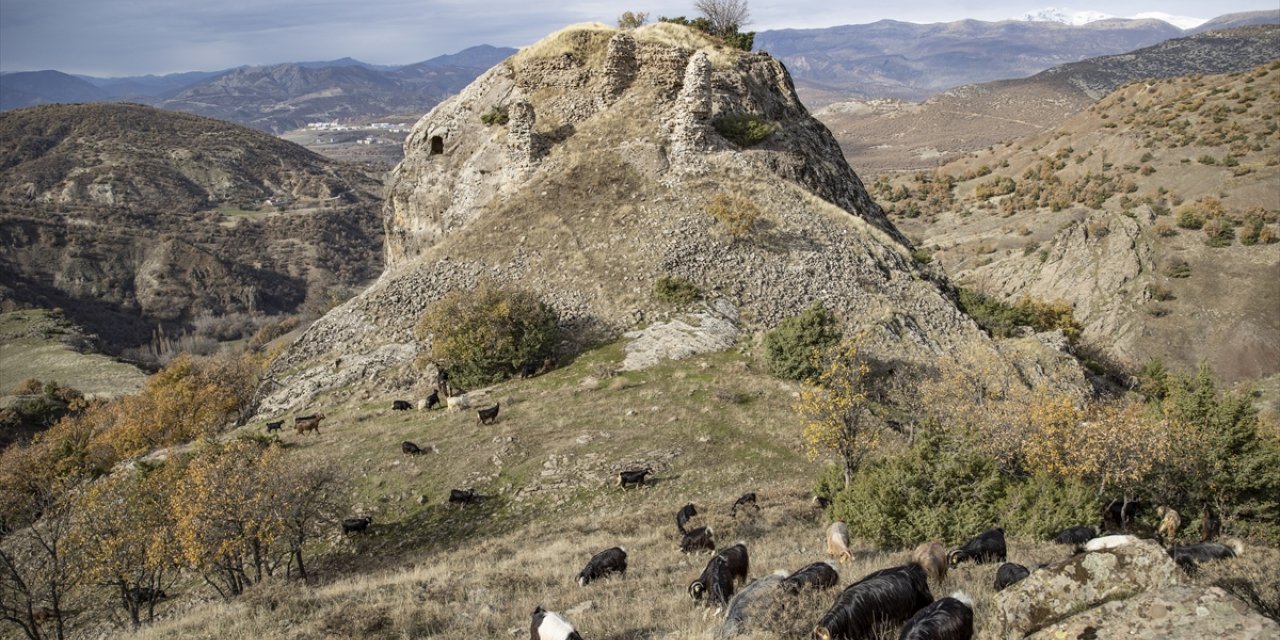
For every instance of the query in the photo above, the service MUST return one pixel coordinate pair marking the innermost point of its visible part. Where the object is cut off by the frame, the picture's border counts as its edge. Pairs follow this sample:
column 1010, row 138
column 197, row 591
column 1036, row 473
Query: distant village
column 335, row 127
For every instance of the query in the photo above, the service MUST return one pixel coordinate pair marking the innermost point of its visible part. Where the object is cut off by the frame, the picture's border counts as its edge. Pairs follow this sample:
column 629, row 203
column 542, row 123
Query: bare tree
column 629, row 20
column 726, row 16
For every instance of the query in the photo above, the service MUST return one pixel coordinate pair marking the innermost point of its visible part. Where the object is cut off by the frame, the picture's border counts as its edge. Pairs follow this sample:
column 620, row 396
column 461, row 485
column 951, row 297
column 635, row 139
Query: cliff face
column 599, row 183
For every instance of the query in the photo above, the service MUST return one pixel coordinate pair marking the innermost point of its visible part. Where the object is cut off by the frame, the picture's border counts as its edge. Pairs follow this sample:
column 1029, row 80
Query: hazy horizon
column 123, row 38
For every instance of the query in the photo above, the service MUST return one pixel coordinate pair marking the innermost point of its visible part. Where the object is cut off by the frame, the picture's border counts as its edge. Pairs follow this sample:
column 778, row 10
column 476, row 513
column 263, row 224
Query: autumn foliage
column 484, row 335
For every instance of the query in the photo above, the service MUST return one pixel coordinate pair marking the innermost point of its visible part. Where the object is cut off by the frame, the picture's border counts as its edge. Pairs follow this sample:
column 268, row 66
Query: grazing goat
column 683, row 515
column 1010, row 573
column 743, row 502
column 887, row 597
column 303, row 424
column 634, row 476
column 548, row 625
column 489, row 415
column 355, row 525
column 1108, row 542
column 932, row 557
column 411, row 448
column 463, row 496
column 758, row 593
column 838, row 541
column 702, row 538
column 144, row 595
column 433, row 400
column 821, row 502
column 819, row 575
column 274, row 426
column 1169, row 523
column 1210, row 525
column 401, row 405
column 1117, row 515
column 1076, row 535
column 1189, row 556
column 949, row 618
column 611, row 560
column 987, row 546
column 715, row 585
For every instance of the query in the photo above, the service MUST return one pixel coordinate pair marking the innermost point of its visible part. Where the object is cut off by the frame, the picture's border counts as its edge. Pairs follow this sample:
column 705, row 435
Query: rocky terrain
column 129, row 218
column 883, row 136
column 1153, row 212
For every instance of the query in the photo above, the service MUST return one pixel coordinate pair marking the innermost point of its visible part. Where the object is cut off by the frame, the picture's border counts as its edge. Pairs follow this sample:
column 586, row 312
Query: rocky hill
column 885, row 136
column 1154, row 212
column 129, row 217
column 600, row 184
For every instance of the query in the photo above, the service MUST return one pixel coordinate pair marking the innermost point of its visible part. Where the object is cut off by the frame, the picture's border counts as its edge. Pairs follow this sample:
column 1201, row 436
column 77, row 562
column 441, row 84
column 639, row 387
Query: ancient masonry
column 692, row 130
column 620, row 67
column 520, row 123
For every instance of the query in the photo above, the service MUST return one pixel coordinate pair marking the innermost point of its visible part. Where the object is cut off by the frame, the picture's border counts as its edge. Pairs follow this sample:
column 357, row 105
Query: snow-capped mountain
column 1077, row 18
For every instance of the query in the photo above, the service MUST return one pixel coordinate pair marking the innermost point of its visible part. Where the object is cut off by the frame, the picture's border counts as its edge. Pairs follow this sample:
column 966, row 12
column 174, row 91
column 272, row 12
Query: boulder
column 1083, row 582
column 1176, row 613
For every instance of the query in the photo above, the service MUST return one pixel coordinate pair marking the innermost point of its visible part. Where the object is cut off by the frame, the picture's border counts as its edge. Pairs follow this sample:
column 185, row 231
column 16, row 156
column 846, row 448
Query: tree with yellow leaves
column 837, row 411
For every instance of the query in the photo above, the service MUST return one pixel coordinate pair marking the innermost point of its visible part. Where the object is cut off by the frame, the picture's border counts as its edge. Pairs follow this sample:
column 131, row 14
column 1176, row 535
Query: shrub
column 1218, row 233
column 1189, row 217
column 632, row 20
column 922, row 256
column 1043, row 505
column 487, row 334
column 1000, row 186
column 791, row 349
column 1178, row 268
column 744, row 129
column 496, row 115
column 1002, row 319
column 675, row 290
column 736, row 213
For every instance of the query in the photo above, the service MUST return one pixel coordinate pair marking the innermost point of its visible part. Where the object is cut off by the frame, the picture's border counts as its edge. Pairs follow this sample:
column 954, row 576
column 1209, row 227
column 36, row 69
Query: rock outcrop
column 1176, row 613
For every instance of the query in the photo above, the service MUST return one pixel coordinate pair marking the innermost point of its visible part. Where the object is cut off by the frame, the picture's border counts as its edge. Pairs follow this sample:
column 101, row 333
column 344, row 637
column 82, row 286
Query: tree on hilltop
column 726, row 16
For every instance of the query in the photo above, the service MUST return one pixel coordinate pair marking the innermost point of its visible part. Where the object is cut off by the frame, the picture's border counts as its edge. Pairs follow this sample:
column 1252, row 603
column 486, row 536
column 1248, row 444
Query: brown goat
column 838, row 541
column 932, row 557
column 303, row 424
column 1169, row 524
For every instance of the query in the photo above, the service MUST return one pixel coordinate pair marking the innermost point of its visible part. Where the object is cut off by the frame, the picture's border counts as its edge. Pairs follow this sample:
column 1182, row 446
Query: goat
column 949, row 618
column 433, row 400
column 489, row 415
column 819, row 575
column 634, row 476
column 756, row 594
column 886, row 597
column 274, row 426
column 401, row 405
column 1119, row 513
column 1210, row 525
column 838, row 541
column 1189, row 556
column 548, row 625
column 932, row 557
column 821, row 502
column 144, row 595
column 303, row 424
column 1010, row 573
column 987, row 546
column 1106, row 543
column 1075, row 535
column 683, row 515
column 611, row 560
column 702, row 538
column 742, row 502
column 1169, row 523
column 718, row 578
column 411, row 448
column 355, row 525
column 463, row 496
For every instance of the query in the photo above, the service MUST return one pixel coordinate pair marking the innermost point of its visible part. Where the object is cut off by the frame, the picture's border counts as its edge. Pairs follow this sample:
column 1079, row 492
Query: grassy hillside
column 40, row 343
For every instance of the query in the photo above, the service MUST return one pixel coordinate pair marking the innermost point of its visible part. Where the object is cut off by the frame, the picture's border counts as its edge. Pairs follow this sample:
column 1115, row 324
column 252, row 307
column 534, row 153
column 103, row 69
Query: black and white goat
column 715, row 585
column 819, row 575
column 489, row 415
column 1075, row 535
column 1189, row 556
column 887, row 597
column 1010, row 573
column 987, row 546
column 683, row 515
column 746, row 500
column 949, row 618
column 548, row 625
column 611, row 560
column 700, row 539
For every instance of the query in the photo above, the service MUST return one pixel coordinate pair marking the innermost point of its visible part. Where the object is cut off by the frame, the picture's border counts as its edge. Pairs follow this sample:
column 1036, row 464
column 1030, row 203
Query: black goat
column 1118, row 513
column 489, row 415
column 683, row 515
column 633, row 476
column 611, row 560
column 821, row 502
column 715, row 585
column 886, row 597
column 702, row 538
column 1210, row 525
column 1189, row 556
column 401, row 405
column 355, row 525
column 949, row 618
column 433, row 400
column 411, row 448
column 1010, row 573
column 744, row 603
column 747, row 499
column 463, row 496
column 1075, row 535
column 143, row 595
column 987, row 546
column 819, row 575
column 274, row 426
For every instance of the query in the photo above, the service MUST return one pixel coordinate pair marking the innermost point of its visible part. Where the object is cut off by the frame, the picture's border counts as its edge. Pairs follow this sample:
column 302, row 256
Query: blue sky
column 135, row 37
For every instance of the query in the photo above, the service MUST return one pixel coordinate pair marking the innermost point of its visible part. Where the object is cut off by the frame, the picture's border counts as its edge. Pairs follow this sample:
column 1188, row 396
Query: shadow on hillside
column 769, row 237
